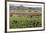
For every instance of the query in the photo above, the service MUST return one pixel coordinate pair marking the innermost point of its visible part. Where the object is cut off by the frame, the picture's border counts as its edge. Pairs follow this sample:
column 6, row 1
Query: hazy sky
column 26, row 4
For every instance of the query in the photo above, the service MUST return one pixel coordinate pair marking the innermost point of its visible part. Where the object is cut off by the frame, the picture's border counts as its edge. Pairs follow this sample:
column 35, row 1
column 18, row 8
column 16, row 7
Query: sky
column 26, row 4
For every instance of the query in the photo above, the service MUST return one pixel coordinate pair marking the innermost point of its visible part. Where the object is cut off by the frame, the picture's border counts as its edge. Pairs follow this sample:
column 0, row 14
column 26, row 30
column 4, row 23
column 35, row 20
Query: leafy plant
column 25, row 21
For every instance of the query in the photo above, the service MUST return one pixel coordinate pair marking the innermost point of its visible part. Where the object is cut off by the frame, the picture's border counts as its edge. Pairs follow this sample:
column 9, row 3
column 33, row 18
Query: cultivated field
column 25, row 21
column 25, row 17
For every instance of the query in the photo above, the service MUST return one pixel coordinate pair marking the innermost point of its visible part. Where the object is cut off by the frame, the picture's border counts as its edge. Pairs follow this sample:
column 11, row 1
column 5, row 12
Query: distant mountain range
column 33, row 8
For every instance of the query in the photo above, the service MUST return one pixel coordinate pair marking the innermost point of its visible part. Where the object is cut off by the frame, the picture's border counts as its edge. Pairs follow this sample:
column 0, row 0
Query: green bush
column 25, row 21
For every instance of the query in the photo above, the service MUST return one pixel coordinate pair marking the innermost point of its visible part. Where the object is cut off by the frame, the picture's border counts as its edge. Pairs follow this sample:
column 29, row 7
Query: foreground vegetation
column 25, row 21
